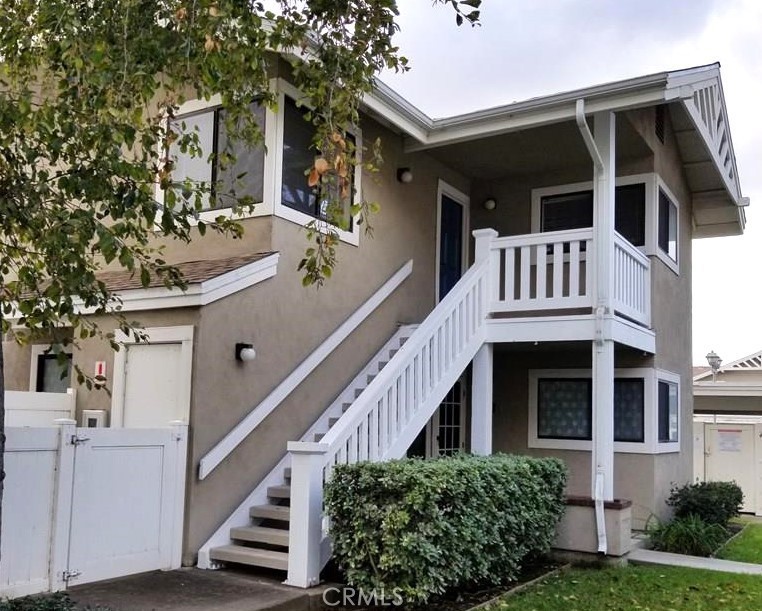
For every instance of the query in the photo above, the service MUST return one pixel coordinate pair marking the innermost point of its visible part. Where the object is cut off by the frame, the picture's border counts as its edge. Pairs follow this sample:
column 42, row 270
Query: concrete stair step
column 260, row 534
column 271, row 512
column 279, row 492
column 331, row 422
column 345, row 406
column 287, row 473
column 371, row 377
column 318, row 436
column 251, row 556
column 358, row 392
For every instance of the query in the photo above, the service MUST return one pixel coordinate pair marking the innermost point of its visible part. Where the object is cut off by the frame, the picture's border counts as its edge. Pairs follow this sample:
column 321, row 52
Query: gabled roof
column 753, row 362
column 697, row 106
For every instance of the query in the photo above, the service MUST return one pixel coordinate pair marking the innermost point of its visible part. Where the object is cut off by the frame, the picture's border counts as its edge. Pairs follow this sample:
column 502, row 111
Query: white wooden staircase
column 377, row 417
column 264, row 541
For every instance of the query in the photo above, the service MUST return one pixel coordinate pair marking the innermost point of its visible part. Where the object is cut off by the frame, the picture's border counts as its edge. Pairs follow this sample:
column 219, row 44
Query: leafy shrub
column 713, row 502
column 689, row 535
column 424, row 526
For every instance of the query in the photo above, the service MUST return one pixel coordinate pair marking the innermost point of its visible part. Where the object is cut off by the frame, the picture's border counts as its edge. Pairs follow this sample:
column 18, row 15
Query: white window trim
column 651, row 181
column 650, row 444
column 444, row 188
column 263, row 208
column 668, row 446
column 284, row 89
column 663, row 256
column 156, row 335
column 37, row 350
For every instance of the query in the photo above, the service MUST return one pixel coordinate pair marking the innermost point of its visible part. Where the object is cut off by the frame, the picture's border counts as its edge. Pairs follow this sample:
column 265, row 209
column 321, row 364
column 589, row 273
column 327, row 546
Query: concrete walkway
column 194, row 590
column 647, row 556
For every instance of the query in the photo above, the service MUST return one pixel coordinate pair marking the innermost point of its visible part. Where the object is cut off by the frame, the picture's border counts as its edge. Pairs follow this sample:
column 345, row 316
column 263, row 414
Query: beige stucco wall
column 634, row 474
column 285, row 322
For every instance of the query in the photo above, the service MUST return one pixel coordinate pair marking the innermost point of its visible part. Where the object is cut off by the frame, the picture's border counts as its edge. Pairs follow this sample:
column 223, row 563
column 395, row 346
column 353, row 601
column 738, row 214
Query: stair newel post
column 306, row 523
column 483, row 250
column 481, row 385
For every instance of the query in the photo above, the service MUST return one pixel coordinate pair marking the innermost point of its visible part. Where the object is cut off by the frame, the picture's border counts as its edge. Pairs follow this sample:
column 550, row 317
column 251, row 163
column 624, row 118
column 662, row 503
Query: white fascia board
column 722, row 389
column 398, row 111
column 527, row 115
column 209, row 291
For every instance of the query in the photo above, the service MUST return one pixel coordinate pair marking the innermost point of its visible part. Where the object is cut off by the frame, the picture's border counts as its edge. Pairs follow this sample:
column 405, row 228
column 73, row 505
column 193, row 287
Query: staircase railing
column 388, row 415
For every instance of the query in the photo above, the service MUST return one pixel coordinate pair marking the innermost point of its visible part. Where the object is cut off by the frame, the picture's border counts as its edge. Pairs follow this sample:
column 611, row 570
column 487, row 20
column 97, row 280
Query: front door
column 451, row 213
column 446, row 432
column 151, row 388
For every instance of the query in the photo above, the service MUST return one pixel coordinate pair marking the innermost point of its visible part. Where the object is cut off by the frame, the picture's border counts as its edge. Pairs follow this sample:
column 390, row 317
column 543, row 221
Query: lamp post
column 714, row 362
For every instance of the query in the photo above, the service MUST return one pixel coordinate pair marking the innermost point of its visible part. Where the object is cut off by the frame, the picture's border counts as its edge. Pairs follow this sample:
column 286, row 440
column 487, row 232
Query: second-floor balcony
column 548, row 281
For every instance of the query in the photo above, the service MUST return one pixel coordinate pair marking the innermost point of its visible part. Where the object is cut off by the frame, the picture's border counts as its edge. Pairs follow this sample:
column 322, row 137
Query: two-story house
column 528, row 290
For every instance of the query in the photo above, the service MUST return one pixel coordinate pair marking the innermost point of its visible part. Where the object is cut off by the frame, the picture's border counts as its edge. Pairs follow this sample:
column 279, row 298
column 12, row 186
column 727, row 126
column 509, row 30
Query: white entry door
column 729, row 456
column 152, row 380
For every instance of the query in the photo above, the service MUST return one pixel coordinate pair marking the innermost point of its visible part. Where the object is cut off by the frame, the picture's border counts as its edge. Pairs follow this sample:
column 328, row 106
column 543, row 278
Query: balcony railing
column 632, row 282
column 554, row 271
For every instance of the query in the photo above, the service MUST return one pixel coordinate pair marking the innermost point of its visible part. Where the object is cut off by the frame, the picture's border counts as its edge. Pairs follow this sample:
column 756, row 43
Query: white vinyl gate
column 85, row 504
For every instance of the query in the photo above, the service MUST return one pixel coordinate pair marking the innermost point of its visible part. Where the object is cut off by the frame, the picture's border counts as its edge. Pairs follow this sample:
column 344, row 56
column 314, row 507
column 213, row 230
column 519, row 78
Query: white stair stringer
column 278, row 476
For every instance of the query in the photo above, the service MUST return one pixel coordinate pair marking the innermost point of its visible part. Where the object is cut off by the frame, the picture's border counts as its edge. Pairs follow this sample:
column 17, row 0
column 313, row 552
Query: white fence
column 38, row 408
column 82, row 505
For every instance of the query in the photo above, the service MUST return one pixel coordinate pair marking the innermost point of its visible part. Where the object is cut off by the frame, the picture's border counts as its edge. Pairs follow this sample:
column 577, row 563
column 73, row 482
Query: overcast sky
column 527, row 48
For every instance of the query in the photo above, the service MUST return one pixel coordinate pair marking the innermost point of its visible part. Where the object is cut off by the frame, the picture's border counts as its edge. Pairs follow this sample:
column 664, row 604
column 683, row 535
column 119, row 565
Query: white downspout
column 595, row 155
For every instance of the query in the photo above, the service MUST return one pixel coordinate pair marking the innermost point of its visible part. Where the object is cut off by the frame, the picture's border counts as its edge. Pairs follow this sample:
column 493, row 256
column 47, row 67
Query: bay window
column 646, row 410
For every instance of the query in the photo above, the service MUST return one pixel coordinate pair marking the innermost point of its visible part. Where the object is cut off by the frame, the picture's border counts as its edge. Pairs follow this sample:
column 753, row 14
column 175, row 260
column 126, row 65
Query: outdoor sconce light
column 405, row 175
column 714, row 361
column 490, row 204
column 245, row 352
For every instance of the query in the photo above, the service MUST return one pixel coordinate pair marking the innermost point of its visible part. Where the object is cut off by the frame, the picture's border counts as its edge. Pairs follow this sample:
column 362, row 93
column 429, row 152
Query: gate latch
column 76, row 440
column 67, row 576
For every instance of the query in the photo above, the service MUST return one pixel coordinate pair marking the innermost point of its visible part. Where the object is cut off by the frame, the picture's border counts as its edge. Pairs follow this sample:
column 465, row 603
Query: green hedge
column 713, row 502
column 425, row 526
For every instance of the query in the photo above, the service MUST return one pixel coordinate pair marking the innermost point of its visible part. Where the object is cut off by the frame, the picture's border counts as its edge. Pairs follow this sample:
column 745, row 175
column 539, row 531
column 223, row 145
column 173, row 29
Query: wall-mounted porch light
column 245, row 352
column 405, row 175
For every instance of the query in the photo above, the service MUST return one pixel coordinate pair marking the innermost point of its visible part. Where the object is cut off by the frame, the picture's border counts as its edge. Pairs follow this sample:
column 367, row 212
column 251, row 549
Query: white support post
column 603, row 347
column 62, row 506
column 306, row 523
column 481, row 401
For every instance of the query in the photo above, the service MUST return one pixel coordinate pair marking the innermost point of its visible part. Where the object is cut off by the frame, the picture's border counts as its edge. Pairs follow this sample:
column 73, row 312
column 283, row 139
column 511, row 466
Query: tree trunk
column 2, row 420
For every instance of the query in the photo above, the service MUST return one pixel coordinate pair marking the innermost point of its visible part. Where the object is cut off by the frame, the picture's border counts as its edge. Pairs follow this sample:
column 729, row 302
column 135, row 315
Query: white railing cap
column 308, row 447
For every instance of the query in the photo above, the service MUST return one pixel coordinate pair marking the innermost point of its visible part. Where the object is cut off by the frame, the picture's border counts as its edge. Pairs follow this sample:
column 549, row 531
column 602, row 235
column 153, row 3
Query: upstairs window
column 298, row 157
column 667, row 226
column 575, row 211
column 224, row 181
